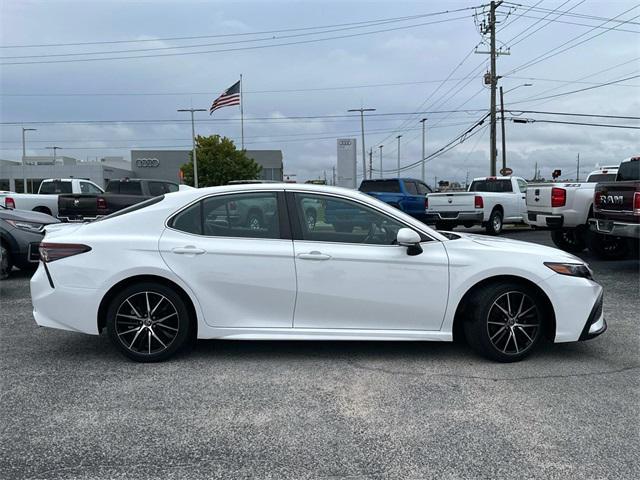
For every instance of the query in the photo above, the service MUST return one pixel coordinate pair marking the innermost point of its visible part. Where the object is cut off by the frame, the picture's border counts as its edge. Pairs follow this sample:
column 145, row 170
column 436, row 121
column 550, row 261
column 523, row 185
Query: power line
column 236, row 49
column 608, row 125
column 195, row 37
column 542, row 112
column 535, row 8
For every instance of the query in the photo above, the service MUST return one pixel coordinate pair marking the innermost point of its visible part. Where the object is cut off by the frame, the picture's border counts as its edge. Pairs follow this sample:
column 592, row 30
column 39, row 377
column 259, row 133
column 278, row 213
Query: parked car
column 80, row 207
column 489, row 201
column 20, row 234
column 46, row 200
column 157, row 273
column 615, row 227
column 566, row 208
column 406, row 194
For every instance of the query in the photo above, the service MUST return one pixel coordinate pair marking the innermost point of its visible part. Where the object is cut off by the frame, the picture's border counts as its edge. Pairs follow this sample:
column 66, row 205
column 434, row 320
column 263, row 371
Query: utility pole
column 371, row 162
column 380, row 147
column 54, row 148
column 489, row 27
column 24, row 154
column 578, row 169
column 504, row 141
column 333, row 176
column 535, row 173
column 364, row 160
column 193, row 141
column 423, row 121
column 398, row 137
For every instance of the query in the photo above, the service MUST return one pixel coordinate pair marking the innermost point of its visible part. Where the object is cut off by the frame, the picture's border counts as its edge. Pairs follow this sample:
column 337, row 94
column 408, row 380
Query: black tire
column 497, row 336
column 494, row 225
column 128, row 322
column 468, row 224
column 5, row 261
column 254, row 221
column 607, row 247
column 445, row 225
column 569, row 239
column 343, row 227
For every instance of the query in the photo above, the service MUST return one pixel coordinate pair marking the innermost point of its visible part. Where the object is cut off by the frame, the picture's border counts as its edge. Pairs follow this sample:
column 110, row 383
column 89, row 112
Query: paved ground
column 71, row 407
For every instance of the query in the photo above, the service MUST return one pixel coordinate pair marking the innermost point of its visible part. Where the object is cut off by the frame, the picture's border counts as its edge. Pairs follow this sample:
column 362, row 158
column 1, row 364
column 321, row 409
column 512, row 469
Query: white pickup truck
column 489, row 201
column 565, row 208
column 46, row 200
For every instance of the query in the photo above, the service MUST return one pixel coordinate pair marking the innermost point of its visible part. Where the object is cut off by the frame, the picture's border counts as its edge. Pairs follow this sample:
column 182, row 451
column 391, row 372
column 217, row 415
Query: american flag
column 231, row 96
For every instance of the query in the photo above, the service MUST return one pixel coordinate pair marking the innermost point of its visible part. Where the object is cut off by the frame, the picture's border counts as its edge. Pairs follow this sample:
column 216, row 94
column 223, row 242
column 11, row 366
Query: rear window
column 629, row 170
column 491, row 186
column 50, row 188
column 602, row 177
column 384, row 186
column 130, row 188
column 133, row 208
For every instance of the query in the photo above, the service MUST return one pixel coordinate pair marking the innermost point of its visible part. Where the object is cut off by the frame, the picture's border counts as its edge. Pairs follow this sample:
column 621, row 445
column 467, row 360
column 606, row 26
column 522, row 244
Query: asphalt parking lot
column 72, row 407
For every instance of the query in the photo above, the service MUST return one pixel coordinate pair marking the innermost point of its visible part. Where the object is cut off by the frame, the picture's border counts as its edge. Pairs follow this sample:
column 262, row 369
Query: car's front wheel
column 148, row 322
column 569, row 239
column 505, row 321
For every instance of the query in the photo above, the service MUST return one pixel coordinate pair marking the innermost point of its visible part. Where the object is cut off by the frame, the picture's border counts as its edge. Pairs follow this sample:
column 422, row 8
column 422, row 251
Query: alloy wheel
column 513, row 323
column 147, row 323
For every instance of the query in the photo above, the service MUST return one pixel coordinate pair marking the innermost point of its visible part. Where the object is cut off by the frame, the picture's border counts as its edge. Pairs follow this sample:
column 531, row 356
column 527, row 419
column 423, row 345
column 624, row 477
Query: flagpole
column 241, row 114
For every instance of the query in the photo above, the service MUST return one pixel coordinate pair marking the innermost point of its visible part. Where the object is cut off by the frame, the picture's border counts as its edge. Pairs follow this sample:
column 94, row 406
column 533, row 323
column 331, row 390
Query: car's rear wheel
column 468, row 224
column 5, row 261
column 505, row 321
column 494, row 225
column 569, row 239
column 607, row 247
column 148, row 322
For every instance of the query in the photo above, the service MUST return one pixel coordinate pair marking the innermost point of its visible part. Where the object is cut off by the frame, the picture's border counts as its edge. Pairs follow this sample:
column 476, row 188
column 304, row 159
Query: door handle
column 315, row 255
column 188, row 250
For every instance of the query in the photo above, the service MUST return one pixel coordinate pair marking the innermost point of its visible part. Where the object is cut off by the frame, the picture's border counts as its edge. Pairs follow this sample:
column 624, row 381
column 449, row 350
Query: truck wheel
column 607, row 247
column 5, row 261
column 569, row 239
column 494, row 225
column 468, row 224
column 445, row 225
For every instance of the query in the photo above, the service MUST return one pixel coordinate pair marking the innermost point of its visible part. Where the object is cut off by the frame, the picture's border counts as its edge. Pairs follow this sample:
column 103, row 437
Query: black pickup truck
column 615, row 226
column 119, row 194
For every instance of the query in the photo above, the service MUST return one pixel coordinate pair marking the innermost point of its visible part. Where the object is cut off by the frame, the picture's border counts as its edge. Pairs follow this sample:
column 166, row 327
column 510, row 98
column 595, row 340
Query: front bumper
column 453, row 216
column 543, row 220
column 618, row 229
column 596, row 324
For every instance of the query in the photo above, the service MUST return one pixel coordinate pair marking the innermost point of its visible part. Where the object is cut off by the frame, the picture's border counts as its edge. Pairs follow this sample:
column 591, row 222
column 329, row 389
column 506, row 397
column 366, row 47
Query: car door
column 358, row 278
column 242, row 275
column 522, row 198
column 413, row 202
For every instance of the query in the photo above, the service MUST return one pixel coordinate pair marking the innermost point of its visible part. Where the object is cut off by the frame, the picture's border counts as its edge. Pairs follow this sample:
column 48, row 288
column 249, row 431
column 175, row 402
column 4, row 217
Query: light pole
column 504, row 140
column 54, row 148
column 193, row 141
column 398, row 137
column 423, row 122
column 364, row 159
column 380, row 147
column 24, row 154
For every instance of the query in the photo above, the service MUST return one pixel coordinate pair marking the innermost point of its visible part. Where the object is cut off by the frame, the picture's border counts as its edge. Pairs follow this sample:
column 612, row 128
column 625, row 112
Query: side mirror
column 410, row 239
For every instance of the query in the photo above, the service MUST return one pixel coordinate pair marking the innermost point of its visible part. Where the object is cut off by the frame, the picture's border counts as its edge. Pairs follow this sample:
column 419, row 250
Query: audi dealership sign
column 147, row 163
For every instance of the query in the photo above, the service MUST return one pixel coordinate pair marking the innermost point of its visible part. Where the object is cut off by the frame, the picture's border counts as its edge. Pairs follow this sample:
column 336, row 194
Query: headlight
column 28, row 226
column 571, row 269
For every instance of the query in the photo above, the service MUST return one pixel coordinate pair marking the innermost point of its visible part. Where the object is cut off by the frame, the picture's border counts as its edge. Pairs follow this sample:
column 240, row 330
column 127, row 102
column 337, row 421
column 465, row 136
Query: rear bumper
column 618, row 229
column 78, row 218
column 543, row 220
column 596, row 324
column 475, row 217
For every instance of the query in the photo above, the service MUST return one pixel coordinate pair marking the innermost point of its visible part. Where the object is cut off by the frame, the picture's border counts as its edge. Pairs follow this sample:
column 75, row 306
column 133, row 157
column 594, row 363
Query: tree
column 219, row 162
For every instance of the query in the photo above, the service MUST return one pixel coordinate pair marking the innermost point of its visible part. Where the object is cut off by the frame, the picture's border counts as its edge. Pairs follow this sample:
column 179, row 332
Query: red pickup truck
column 615, row 224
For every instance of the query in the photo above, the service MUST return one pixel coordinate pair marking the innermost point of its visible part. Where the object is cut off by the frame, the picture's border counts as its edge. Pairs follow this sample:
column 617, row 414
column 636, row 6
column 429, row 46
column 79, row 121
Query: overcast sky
column 414, row 54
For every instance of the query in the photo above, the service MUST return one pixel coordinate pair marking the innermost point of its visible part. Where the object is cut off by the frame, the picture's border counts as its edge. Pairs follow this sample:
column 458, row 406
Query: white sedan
column 244, row 262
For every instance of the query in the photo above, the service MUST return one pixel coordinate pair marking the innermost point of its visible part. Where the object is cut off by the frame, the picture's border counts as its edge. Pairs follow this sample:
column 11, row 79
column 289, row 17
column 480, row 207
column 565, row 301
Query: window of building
column 5, row 184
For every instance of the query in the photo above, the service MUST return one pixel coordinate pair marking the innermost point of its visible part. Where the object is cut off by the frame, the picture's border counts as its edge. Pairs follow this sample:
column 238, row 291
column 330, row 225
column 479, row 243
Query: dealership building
column 155, row 164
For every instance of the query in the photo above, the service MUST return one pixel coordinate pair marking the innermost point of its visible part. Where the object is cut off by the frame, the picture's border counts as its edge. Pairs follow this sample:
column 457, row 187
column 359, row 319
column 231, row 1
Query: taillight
column 636, row 203
column 426, row 203
column 558, row 197
column 597, row 199
column 50, row 252
column 9, row 202
column 101, row 203
column 478, row 201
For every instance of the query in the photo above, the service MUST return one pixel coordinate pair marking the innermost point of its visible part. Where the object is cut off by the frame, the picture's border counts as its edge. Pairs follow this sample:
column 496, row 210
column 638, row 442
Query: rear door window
column 411, row 187
column 130, row 188
column 156, row 188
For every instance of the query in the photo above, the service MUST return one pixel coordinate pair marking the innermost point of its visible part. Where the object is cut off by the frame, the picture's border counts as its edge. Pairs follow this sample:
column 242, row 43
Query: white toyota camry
column 303, row 262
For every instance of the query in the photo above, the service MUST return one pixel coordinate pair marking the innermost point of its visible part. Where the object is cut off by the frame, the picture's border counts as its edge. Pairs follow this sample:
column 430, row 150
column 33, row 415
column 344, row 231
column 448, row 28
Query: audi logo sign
column 147, row 162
